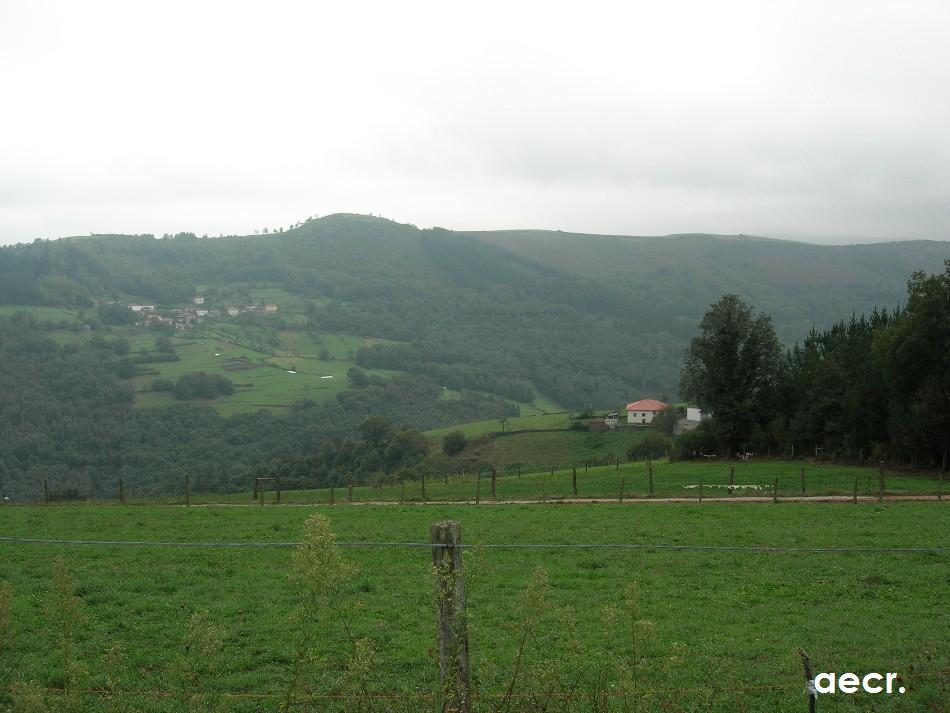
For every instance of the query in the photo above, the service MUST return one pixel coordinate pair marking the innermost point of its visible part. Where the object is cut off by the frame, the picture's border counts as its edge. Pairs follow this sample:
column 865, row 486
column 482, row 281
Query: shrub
column 454, row 442
column 652, row 445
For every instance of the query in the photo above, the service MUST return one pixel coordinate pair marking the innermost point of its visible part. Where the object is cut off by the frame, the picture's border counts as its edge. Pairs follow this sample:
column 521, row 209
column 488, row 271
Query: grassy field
column 715, row 631
column 40, row 314
column 679, row 480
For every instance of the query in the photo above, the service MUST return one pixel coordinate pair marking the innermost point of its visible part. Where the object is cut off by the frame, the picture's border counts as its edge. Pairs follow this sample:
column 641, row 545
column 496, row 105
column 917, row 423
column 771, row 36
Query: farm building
column 689, row 421
column 198, row 300
column 644, row 410
column 270, row 308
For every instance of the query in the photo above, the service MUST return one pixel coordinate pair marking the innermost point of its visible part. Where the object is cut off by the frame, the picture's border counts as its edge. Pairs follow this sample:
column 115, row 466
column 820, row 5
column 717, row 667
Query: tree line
column 870, row 387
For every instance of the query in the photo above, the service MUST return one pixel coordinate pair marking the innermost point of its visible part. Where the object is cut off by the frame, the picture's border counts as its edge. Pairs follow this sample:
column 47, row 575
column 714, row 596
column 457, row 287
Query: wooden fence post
column 544, row 488
column 277, row 485
column 187, row 490
column 880, row 488
column 402, row 491
column 801, row 475
column 332, row 495
column 478, row 487
column 775, row 490
column 732, row 478
column 519, row 470
column 493, row 483
column 574, row 481
column 700, row 491
column 940, row 487
column 349, row 492
column 423, row 486
column 121, row 491
column 617, row 467
column 446, row 474
column 809, row 683
column 623, row 481
column 650, row 475
column 452, row 627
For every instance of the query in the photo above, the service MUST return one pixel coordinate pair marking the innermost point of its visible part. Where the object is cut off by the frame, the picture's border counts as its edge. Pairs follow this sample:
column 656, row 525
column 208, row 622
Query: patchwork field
column 703, row 630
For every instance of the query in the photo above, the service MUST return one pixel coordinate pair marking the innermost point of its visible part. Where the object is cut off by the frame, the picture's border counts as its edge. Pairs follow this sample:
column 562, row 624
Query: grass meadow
column 603, row 629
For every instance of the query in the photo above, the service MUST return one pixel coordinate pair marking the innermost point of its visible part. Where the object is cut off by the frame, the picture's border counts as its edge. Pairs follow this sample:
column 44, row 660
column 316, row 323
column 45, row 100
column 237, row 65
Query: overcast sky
column 825, row 119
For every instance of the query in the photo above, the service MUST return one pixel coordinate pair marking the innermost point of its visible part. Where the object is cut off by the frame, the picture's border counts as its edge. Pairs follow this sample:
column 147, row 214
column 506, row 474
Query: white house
column 644, row 411
column 142, row 308
column 198, row 300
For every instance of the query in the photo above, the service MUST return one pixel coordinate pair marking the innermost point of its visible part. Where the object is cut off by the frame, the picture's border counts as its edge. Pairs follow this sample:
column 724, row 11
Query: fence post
column 623, row 481
column 732, row 478
column 617, row 467
column 402, row 492
column 349, row 492
column 332, row 495
column 423, row 486
column 493, row 482
column 453, row 631
column 260, row 493
column 277, row 485
column 880, row 488
column 544, row 488
column 801, row 475
column 574, row 481
column 855, row 498
column 809, row 682
column 121, row 491
column 478, row 487
column 940, row 487
column 700, row 491
column 519, row 470
column 650, row 474
column 775, row 490
column 187, row 490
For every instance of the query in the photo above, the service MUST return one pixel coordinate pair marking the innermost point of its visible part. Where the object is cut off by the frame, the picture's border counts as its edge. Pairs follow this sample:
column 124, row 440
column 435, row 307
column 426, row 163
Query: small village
column 196, row 314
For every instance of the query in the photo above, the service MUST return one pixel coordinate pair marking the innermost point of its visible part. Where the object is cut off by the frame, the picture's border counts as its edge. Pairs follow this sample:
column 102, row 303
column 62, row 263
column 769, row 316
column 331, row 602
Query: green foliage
column 652, row 446
column 454, row 442
column 202, row 385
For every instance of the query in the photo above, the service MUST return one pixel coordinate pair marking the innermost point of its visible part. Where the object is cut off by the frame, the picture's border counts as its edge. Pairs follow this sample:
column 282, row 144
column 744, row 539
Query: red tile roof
column 646, row 405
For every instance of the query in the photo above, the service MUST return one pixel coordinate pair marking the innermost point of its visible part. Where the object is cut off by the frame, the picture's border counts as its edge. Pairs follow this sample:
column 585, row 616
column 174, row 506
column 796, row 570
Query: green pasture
column 40, row 314
column 704, row 631
column 514, row 423
column 670, row 480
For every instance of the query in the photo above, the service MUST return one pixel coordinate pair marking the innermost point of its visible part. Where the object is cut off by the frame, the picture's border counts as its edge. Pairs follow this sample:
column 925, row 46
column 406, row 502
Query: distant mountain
column 584, row 319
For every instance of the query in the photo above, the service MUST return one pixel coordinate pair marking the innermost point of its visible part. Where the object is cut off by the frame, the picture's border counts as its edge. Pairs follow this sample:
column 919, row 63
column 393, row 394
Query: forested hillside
column 584, row 320
column 425, row 328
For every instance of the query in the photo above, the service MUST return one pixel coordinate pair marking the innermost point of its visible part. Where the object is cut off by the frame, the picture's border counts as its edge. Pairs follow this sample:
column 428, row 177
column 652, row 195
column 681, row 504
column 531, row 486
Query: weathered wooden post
column 121, row 491
column 650, row 475
column 519, row 470
column 623, row 481
column 544, row 488
column 277, row 485
column 881, row 466
column 574, row 481
column 452, row 627
column 732, row 478
column 586, row 464
column 423, row 486
column 46, row 491
column 801, row 475
column 402, row 491
column 854, row 499
column 775, row 490
column 493, row 483
column 617, row 466
column 446, row 475
column 187, row 490
column 332, row 495
column 880, row 488
column 349, row 492
column 940, row 487
column 478, row 488
column 700, row 491
column 869, row 486
column 809, row 683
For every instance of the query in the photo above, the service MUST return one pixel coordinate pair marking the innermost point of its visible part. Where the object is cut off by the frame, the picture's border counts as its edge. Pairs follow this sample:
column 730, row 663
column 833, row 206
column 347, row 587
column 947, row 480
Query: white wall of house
column 693, row 414
column 640, row 416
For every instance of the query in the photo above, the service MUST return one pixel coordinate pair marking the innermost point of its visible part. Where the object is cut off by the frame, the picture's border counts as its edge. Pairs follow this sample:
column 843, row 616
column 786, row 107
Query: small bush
column 651, row 446
column 454, row 442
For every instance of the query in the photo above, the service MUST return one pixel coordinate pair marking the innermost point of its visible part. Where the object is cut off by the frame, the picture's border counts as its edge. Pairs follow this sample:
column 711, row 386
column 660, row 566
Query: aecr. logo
column 852, row 683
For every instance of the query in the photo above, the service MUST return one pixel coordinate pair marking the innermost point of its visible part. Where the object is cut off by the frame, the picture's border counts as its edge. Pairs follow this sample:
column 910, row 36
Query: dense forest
column 872, row 387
